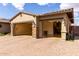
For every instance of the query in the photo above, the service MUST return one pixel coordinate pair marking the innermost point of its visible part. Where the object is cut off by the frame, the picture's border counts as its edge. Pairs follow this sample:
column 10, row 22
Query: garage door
column 23, row 29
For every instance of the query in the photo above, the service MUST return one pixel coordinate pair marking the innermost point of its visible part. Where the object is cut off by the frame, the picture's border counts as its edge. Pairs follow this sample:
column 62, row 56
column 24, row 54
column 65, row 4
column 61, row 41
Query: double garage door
column 23, row 29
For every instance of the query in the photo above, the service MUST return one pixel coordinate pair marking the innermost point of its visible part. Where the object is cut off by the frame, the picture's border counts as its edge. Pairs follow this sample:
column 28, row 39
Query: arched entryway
column 57, row 29
column 50, row 29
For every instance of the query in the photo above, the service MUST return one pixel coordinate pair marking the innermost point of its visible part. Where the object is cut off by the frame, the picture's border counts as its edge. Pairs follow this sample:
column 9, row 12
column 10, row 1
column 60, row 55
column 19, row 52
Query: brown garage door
column 23, row 29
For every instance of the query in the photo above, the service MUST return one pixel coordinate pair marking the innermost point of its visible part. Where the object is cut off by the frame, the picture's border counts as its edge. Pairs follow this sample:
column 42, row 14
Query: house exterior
column 4, row 26
column 54, row 24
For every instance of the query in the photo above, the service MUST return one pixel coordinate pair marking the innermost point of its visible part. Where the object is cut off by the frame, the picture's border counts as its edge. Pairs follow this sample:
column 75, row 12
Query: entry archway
column 57, row 29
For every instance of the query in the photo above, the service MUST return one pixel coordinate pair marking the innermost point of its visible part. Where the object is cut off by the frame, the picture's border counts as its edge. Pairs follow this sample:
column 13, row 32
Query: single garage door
column 23, row 29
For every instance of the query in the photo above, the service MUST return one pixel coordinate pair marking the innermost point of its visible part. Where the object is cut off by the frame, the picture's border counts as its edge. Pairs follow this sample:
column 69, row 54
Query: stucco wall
column 48, row 26
column 23, row 28
column 22, row 18
column 5, row 27
column 63, row 29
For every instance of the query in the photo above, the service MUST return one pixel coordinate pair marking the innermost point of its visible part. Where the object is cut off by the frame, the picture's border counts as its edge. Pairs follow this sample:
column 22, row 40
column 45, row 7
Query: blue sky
column 8, row 10
column 39, row 9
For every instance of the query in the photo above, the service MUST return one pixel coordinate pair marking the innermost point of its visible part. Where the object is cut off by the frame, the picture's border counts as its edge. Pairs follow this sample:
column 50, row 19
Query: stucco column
column 12, row 29
column 63, row 30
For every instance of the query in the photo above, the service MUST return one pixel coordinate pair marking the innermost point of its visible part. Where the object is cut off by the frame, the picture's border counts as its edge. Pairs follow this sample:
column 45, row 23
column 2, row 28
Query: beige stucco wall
column 63, row 30
column 23, row 28
column 5, row 27
column 48, row 26
column 68, row 23
column 23, row 18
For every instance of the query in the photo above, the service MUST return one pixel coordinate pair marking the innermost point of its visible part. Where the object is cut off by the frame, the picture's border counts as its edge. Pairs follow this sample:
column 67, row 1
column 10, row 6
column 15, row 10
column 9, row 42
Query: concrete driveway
column 26, row 45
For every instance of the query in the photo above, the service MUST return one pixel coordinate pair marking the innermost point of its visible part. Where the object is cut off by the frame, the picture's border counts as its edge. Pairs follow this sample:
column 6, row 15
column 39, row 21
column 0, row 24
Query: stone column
column 40, row 29
column 35, row 28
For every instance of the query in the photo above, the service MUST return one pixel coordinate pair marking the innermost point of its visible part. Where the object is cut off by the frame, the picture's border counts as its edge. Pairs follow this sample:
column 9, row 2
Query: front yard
column 26, row 45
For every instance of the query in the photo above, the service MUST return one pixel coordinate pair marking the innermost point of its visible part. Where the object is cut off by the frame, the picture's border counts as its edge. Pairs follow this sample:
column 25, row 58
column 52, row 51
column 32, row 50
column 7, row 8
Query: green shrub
column 2, row 34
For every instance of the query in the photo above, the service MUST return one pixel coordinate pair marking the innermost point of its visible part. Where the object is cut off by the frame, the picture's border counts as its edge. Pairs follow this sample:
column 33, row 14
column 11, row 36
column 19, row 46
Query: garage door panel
column 25, row 28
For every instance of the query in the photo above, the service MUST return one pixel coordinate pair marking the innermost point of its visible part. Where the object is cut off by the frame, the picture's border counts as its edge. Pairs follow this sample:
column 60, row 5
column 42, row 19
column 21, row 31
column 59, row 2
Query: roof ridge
column 62, row 10
column 28, row 13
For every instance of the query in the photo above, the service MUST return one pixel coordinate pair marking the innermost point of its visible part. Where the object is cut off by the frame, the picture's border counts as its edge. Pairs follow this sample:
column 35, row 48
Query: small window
column 0, row 25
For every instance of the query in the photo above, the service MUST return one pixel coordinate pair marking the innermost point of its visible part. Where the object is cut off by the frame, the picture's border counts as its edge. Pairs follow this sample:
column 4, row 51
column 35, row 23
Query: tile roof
column 4, row 20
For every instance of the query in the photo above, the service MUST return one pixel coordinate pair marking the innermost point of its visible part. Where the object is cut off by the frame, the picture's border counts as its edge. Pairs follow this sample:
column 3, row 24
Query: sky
column 8, row 10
